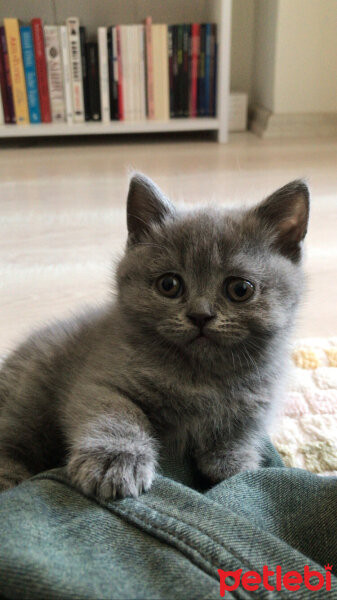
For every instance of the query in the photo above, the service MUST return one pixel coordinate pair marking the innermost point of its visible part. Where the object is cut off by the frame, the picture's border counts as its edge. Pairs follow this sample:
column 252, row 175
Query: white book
column 55, row 75
column 73, row 28
column 66, row 73
column 142, row 79
column 2, row 118
column 103, row 66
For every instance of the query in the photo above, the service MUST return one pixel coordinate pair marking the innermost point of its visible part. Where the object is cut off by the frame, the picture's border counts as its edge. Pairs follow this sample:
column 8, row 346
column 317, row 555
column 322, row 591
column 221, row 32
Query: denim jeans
column 170, row 542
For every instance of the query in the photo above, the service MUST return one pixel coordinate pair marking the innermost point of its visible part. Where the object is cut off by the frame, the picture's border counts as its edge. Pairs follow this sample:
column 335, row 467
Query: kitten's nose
column 200, row 318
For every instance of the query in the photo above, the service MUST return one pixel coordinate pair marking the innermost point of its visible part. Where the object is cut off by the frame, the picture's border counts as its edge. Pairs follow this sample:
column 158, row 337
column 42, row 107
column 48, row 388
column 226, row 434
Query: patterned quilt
column 306, row 435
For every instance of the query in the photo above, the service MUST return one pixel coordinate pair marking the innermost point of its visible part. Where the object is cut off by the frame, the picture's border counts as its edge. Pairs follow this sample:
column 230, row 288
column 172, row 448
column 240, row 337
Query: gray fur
column 100, row 393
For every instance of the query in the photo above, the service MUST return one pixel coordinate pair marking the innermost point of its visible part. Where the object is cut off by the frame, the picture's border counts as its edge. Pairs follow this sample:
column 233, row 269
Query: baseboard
column 266, row 124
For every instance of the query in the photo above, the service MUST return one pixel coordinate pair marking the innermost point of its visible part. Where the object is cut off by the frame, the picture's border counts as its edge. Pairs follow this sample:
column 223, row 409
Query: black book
column 186, row 68
column 84, row 74
column 212, row 71
column 175, row 70
column 93, row 81
column 180, row 74
column 113, row 85
column 201, row 101
column 170, row 63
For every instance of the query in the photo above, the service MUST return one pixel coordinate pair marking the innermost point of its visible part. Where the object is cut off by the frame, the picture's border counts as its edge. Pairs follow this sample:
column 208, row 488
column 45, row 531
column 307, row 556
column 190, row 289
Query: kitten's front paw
column 110, row 474
column 217, row 466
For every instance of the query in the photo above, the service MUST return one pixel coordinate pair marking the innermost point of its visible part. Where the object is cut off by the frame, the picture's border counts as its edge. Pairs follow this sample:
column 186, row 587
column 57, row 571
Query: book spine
column 41, row 70
column 180, row 75
column 104, row 73
column 195, row 32
column 201, row 74
column 2, row 114
column 212, row 91
column 165, row 74
column 115, row 73
column 30, row 74
column 185, row 82
column 207, row 68
column 142, row 72
column 120, row 75
column 170, row 67
column 149, row 67
column 66, row 73
column 93, row 82
column 215, row 71
column 175, row 80
column 16, row 70
column 84, row 74
column 133, row 57
column 73, row 30
column 54, row 70
column 5, row 80
column 111, row 73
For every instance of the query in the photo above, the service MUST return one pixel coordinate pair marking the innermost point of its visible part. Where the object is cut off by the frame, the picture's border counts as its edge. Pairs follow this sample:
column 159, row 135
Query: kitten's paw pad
column 111, row 475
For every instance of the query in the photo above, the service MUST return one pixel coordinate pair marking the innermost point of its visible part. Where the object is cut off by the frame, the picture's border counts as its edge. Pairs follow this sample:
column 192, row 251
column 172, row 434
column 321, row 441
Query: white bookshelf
column 94, row 13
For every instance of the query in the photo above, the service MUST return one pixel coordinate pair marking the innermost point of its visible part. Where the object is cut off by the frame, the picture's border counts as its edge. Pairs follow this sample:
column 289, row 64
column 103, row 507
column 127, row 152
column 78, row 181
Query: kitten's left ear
column 286, row 213
column 146, row 205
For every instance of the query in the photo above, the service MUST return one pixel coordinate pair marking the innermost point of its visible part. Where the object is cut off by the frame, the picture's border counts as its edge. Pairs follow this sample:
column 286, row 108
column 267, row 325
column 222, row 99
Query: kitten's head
column 209, row 279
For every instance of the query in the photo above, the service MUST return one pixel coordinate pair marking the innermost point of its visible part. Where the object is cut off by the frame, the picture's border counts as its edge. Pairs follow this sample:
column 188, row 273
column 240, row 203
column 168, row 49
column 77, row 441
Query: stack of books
column 52, row 73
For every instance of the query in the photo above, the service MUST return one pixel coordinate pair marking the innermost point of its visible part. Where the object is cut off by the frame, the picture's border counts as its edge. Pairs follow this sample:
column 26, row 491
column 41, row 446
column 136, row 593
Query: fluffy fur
column 100, row 393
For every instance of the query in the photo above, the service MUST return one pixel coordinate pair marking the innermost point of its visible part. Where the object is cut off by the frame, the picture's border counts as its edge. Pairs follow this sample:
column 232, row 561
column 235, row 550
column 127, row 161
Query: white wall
column 306, row 57
column 242, row 45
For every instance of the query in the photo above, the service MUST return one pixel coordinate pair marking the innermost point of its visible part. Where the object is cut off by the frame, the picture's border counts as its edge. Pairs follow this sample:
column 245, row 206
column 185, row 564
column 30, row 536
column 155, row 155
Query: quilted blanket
column 306, row 436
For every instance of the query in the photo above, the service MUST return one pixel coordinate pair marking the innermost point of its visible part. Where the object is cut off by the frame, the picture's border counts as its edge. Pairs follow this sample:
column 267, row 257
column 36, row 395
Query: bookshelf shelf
column 120, row 127
column 104, row 12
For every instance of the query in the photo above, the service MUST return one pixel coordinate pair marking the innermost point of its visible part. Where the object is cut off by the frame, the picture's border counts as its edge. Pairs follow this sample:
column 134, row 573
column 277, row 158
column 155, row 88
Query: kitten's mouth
column 201, row 338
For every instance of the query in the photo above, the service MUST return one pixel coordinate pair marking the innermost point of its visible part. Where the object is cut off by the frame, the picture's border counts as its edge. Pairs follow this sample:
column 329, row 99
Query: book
column 195, row 32
column 5, row 81
column 185, row 70
column 179, row 92
column 30, row 74
column 64, row 45
column 170, row 31
column 2, row 116
column 17, row 71
column 93, row 81
column 73, row 28
column 149, row 68
column 54, row 71
column 113, row 73
column 84, row 73
column 201, row 73
column 103, row 73
column 160, row 72
column 120, row 75
column 41, row 70
column 208, row 32
column 141, row 72
column 212, row 93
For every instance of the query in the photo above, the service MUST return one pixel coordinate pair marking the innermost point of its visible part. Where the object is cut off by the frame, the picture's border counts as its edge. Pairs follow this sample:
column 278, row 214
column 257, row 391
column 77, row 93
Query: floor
column 62, row 214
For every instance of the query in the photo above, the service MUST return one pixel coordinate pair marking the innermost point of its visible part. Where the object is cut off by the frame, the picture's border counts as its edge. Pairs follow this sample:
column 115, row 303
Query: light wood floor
column 62, row 220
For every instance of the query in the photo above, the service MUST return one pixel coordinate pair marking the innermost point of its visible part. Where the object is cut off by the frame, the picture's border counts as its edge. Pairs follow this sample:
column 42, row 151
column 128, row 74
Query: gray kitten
column 190, row 354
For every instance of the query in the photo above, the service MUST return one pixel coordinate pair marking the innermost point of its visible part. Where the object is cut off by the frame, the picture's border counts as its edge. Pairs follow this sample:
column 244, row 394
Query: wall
column 306, row 57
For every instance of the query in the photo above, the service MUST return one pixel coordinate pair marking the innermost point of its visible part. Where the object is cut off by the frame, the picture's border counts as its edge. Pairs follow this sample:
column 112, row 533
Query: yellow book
column 17, row 72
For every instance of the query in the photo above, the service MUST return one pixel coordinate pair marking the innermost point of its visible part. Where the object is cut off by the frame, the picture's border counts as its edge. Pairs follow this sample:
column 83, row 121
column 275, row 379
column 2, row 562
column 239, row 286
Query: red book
column 195, row 37
column 120, row 75
column 5, row 80
column 41, row 70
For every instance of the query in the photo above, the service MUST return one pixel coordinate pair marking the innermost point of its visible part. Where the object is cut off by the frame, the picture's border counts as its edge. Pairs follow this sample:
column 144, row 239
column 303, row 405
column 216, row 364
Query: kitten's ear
column 286, row 214
column 146, row 205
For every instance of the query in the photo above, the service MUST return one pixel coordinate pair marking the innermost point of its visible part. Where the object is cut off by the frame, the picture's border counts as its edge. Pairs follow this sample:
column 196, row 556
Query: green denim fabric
column 169, row 543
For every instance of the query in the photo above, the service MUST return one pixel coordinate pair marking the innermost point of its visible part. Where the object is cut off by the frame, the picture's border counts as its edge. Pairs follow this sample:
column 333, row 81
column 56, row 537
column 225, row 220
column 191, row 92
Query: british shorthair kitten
column 191, row 353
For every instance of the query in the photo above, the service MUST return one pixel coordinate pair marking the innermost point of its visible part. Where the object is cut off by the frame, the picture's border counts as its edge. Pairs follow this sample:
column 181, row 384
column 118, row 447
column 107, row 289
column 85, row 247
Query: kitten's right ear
column 146, row 205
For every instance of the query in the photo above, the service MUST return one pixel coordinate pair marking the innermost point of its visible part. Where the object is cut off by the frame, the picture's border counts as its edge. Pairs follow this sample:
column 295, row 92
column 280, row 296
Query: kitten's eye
column 238, row 290
column 170, row 285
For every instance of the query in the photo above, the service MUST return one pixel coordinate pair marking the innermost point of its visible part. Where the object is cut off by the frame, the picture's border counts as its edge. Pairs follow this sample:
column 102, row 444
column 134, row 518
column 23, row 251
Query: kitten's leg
column 12, row 472
column 113, row 453
column 224, row 461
